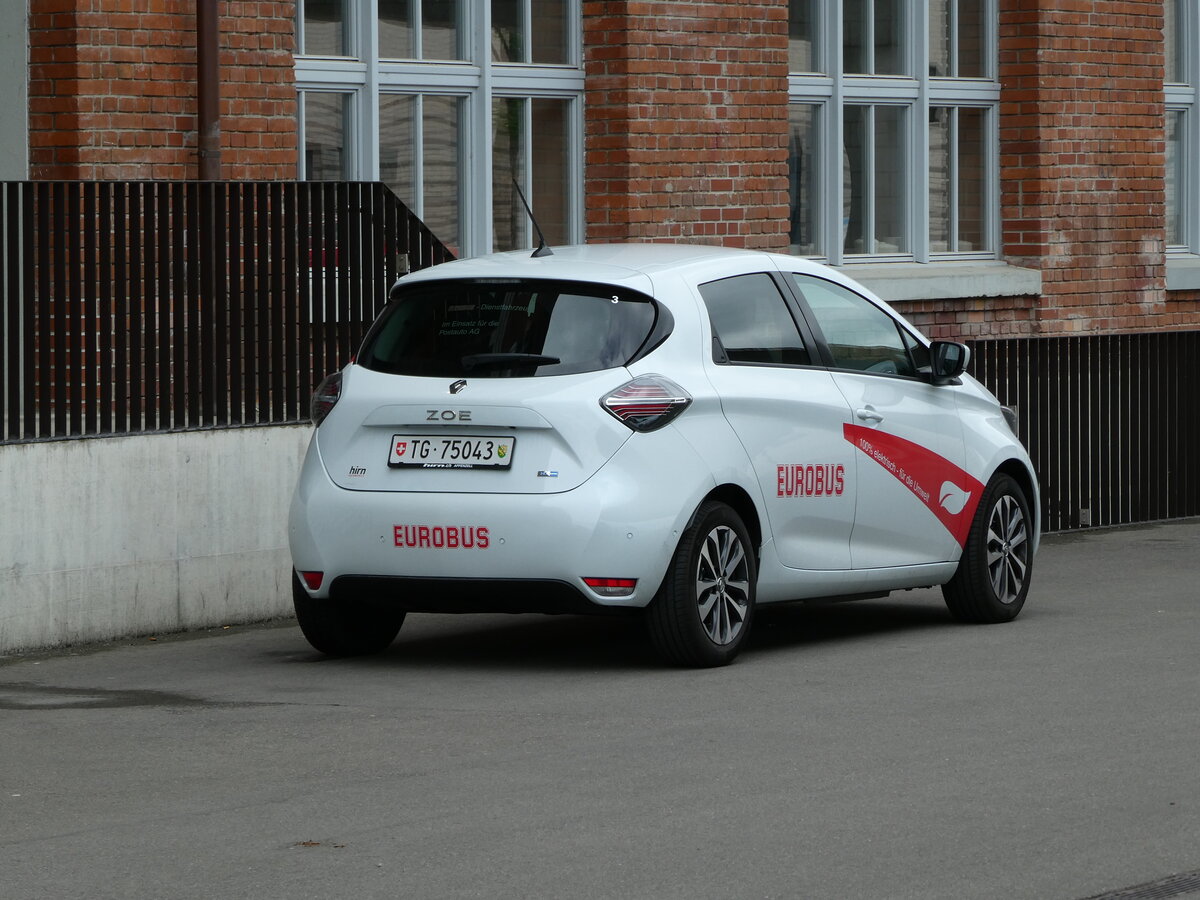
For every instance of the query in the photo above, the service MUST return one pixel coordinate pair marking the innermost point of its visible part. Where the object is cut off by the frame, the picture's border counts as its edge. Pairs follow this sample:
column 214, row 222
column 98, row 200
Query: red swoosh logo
column 950, row 493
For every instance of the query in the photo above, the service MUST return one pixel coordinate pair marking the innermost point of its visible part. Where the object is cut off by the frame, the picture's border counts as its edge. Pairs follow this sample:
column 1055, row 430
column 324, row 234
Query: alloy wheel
column 722, row 585
column 1007, row 549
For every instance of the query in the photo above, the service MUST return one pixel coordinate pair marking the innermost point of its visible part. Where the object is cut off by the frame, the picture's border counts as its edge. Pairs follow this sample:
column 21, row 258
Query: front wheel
column 342, row 627
column 702, row 613
column 992, row 580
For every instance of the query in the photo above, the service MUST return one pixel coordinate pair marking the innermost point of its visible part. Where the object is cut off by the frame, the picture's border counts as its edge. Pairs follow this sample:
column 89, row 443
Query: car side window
column 751, row 322
column 860, row 335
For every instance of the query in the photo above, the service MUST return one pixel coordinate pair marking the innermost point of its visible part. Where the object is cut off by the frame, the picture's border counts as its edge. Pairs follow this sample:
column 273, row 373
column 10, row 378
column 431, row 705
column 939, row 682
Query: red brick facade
column 686, row 132
column 686, row 121
column 112, row 93
column 1083, row 159
column 1082, row 169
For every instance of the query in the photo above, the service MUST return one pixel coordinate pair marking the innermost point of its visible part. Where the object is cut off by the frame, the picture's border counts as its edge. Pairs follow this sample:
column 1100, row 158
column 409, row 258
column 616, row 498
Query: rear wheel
column 703, row 611
column 992, row 580
column 344, row 628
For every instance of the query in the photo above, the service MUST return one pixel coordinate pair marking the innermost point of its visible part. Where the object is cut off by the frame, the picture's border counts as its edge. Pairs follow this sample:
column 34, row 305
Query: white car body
column 849, row 482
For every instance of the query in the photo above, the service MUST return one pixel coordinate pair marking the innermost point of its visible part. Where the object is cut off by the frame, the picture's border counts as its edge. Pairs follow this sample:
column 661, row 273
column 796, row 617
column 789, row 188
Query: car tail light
column 612, row 587
column 312, row 580
column 647, row 403
column 325, row 397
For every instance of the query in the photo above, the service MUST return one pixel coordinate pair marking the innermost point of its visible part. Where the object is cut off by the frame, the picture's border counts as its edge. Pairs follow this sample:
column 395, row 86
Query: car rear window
column 510, row 329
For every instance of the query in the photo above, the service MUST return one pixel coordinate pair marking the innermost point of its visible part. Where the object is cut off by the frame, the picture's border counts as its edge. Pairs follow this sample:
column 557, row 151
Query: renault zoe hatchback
column 681, row 432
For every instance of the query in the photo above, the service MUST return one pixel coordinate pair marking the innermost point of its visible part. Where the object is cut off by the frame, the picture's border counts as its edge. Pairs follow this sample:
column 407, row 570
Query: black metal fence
column 157, row 306
column 1112, row 422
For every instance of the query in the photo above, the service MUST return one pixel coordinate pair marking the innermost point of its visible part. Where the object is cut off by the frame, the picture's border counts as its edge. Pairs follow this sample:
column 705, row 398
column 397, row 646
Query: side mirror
column 948, row 360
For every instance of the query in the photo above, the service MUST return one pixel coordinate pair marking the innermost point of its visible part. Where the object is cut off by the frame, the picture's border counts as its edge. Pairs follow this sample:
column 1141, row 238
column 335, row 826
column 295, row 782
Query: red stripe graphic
column 951, row 493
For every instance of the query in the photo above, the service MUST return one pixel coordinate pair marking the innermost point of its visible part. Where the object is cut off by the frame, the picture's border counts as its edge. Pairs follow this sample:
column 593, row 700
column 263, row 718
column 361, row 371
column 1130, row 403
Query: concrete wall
column 111, row 537
column 14, row 98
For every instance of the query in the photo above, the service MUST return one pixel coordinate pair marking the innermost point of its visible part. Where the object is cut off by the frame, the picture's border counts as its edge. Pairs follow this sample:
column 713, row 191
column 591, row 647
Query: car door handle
column 868, row 414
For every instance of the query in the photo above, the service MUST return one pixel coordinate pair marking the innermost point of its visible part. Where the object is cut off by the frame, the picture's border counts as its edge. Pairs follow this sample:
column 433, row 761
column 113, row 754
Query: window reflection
column 419, row 158
column 325, row 136
column 972, row 35
column 802, row 29
column 440, row 162
column 396, row 29
column 972, row 186
column 324, row 27
column 508, row 43
column 874, row 198
column 508, row 149
column 939, row 179
column 803, row 185
column 550, row 144
column 1171, row 37
column 536, row 128
column 891, row 231
column 439, row 29
column 872, row 37
column 397, row 143
column 1175, row 235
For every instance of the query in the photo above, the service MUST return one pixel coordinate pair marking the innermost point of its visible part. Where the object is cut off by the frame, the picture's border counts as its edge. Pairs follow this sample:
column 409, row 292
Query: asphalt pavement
column 861, row 750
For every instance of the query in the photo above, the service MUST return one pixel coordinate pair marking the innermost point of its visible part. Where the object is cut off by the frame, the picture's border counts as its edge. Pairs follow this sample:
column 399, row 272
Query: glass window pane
column 1174, row 186
column 396, row 29
column 397, row 144
column 325, row 28
column 939, row 38
column 803, row 176
column 325, row 157
column 1171, row 37
column 888, row 38
column 752, row 322
column 439, row 29
column 508, row 216
column 440, row 152
column 435, row 328
column 549, row 26
column 972, row 185
column 854, row 179
column 939, row 179
column 507, row 33
column 856, row 19
column 891, row 162
column 972, row 33
column 551, row 187
column 860, row 335
column 802, row 32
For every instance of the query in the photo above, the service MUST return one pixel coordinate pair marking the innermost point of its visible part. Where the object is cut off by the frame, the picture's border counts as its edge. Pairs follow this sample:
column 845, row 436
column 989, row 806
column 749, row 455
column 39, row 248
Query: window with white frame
column 449, row 102
column 1181, row 89
column 893, row 129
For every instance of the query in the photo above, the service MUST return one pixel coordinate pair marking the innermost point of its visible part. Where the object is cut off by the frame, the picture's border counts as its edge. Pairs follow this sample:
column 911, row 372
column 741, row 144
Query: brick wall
column 1082, row 167
column 112, row 90
column 686, row 135
column 1083, row 159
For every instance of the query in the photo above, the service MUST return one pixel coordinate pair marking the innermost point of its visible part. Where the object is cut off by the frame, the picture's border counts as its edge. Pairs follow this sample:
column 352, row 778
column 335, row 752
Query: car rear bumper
column 502, row 552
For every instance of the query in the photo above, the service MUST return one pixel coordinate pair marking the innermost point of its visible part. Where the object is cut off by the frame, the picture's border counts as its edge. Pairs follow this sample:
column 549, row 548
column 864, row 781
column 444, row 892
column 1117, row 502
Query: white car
column 683, row 432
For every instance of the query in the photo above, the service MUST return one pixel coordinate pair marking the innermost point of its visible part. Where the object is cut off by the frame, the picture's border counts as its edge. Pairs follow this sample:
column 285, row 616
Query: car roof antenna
column 542, row 249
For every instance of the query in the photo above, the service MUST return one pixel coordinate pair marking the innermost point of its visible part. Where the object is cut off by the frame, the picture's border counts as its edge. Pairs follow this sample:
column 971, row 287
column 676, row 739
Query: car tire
column 702, row 614
column 342, row 627
column 992, row 579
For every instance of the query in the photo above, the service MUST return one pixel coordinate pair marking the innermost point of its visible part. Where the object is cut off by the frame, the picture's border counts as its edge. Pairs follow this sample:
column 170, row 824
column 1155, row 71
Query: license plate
column 458, row 452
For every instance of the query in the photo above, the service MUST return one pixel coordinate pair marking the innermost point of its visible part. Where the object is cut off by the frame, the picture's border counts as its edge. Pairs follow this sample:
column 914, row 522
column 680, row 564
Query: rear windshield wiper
column 498, row 360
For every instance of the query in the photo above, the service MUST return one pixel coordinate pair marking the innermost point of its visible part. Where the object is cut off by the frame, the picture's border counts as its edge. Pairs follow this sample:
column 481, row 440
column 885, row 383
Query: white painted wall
column 14, row 95
column 112, row 537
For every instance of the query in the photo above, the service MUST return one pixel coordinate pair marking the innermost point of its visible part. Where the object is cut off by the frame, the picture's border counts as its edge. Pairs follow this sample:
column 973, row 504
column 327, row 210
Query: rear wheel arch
column 739, row 500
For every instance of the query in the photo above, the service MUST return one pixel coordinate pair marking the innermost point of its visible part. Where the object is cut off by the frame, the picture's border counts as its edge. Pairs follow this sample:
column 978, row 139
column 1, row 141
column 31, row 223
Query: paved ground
column 872, row 750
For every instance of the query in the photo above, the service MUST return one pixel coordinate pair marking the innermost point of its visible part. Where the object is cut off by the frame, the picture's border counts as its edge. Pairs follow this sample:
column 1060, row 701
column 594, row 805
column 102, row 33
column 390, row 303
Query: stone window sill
column 897, row 282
